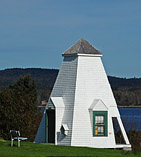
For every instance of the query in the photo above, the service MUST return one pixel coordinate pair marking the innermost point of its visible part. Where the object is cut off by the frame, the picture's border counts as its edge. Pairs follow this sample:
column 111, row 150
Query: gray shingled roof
column 82, row 47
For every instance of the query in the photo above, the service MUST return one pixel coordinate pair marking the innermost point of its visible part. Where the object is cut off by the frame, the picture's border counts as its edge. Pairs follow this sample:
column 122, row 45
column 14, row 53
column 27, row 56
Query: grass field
column 29, row 149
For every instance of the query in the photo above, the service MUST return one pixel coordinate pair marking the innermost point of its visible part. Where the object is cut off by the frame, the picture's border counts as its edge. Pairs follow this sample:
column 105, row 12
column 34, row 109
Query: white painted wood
column 58, row 101
column 65, row 87
column 98, row 105
column 124, row 146
column 82, row 87
column 123, row 131
column 65, row 126
column 50, row 105
column 91, row 84
column 64, row 129
column 59, row 112
column 40, row 136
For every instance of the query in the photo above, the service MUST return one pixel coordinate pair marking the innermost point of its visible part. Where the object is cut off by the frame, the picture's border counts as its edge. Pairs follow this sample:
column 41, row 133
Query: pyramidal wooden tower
column 81, row 105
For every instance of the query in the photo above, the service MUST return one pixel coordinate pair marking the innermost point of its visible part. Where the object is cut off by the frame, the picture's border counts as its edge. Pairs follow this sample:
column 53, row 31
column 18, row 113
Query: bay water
column 131, row 118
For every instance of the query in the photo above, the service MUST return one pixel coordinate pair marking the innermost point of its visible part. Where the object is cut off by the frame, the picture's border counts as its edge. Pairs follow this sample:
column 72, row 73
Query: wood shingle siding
column 65, row 87
column 40, row 136
column 81, row 88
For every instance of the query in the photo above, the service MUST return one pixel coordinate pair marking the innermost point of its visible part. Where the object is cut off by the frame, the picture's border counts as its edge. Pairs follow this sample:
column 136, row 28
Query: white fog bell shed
column 81, row 105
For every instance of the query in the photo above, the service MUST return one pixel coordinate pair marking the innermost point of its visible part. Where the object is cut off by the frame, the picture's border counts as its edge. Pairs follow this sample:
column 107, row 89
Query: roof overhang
column 98, row 105
column 58, row 101
column 79, row 54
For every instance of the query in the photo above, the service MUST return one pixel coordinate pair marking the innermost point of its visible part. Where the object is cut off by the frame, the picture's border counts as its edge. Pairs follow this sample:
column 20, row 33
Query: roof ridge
column 82, row 47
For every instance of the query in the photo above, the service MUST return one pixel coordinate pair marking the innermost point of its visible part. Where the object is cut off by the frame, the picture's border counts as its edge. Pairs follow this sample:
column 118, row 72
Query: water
column 131, row 118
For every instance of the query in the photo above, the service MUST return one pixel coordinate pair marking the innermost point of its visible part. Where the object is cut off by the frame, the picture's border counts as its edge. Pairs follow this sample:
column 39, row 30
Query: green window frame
column 100, row 123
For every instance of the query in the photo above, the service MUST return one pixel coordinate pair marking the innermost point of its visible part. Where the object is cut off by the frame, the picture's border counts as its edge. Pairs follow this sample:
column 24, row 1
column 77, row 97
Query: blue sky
column 34, row 33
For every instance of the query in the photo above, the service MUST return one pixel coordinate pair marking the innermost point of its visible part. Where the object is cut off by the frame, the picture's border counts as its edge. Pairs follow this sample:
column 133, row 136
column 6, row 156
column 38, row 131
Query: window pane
column 100, row 130
column 99, row 119
column 102, row 119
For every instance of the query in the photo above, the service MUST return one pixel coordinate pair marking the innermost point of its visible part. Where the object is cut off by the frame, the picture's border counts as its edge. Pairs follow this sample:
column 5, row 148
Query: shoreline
column 129, row 106
column 117, row 106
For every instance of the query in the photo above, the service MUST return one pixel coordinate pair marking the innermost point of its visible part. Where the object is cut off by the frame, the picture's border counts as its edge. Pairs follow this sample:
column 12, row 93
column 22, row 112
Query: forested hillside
column 127, row 91
column 44, row 79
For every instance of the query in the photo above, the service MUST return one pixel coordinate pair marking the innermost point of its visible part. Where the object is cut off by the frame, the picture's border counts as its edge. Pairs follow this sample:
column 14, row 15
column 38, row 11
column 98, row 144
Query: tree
column 18, row 109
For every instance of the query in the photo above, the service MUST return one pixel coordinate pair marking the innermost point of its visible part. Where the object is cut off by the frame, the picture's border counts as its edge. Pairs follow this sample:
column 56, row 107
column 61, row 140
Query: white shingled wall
column 91, row 83
column 40, row 136
column 65, row 87
column 80, row 81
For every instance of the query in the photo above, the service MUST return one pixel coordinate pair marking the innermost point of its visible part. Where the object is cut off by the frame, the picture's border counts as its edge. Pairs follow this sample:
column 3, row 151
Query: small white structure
column 81, row 105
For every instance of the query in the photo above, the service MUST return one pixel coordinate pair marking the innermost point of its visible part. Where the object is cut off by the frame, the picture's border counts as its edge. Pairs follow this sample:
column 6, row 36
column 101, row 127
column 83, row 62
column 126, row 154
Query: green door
column 50, row 126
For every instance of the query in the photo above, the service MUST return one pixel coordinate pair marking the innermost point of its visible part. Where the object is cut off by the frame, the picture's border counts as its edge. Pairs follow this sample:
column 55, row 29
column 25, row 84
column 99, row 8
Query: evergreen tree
column 18, row 110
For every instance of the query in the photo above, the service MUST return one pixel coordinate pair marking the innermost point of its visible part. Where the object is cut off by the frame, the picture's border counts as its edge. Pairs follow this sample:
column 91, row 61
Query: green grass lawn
column 28, row 149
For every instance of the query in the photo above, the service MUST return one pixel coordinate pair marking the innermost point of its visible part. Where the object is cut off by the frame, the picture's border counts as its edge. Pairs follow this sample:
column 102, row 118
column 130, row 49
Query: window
column 99, row 123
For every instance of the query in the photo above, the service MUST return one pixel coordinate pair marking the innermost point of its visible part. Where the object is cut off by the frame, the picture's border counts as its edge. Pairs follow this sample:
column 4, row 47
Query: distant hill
column 127, row 91
column 124, row 82
column 44, row 79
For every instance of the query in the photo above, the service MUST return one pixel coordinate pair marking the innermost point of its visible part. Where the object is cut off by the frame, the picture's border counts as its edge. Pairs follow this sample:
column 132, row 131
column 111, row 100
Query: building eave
column 79, row 54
